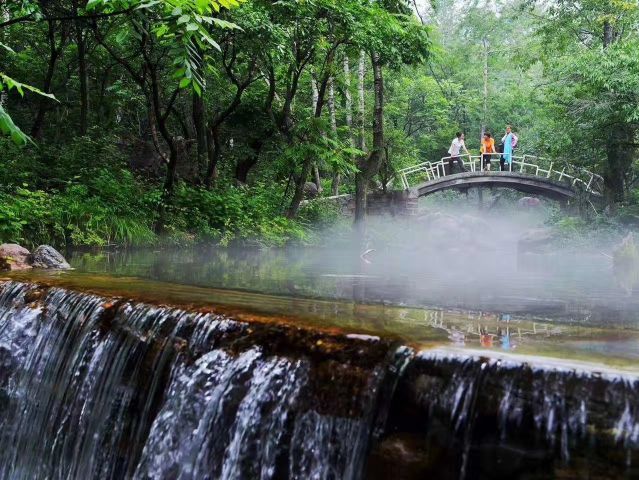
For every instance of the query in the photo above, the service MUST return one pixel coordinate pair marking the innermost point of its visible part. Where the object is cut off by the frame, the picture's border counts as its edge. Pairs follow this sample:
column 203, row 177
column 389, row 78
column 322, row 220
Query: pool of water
column 566, row 287
column 592, row 346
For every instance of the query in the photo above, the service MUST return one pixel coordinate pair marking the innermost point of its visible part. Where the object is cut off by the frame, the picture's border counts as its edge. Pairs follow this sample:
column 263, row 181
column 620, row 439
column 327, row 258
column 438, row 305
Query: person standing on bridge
column 455, row 148
column 509, row 141
column 487, row 149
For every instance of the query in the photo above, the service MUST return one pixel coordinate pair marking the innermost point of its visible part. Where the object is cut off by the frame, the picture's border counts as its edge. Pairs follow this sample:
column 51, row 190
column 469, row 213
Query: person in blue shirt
column 509, row 141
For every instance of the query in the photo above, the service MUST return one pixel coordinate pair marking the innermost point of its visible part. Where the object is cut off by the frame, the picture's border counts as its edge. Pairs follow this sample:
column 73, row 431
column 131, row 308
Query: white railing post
column 561, row 174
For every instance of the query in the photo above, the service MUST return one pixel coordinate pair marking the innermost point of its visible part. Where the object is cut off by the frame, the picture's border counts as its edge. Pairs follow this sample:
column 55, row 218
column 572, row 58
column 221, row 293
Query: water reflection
column 579, row 288
column 498, row 332
column 417, row 327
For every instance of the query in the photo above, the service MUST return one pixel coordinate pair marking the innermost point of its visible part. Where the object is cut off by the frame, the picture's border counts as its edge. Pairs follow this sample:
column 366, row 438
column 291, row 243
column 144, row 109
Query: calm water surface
column 568, row 287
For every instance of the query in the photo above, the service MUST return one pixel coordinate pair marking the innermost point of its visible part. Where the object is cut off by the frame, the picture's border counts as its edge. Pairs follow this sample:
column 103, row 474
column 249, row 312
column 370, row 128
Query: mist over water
column 459, row 253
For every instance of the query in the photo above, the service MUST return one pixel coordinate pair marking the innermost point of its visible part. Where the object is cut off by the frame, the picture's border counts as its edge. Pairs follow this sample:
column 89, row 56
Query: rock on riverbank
column 14, row 257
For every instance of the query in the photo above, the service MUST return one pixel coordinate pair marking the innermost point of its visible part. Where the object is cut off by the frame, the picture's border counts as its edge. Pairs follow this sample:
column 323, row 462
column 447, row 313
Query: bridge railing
column 529, row 164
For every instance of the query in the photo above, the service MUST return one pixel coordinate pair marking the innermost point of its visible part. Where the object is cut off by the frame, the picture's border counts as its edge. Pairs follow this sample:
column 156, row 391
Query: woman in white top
column 455, row 148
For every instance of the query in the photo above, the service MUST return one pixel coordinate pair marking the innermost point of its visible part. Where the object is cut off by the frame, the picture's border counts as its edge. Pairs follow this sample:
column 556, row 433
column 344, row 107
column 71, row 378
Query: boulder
column 45, row 256
column 537, row 240
column 13, row 257
column 445, row 232
column 475, row 224
column 625, row 262
column 310, row 190
column 529, row 202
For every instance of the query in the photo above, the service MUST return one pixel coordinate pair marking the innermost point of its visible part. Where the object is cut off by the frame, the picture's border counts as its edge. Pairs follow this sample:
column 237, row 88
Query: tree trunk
column 83, row 73
column 316, row 172
column 620, row 152
column 245, row 165
column 5, row 16
column 160, row 119
column 298, row 196
column 214, row 152
column 348, row 106
column 348, row 100
column 608, row 34
column 361, row 107
column 484, row 116
column 333, row 117
column 54, row 52
column 370, row 166
column 620, row 145
column 200, row 132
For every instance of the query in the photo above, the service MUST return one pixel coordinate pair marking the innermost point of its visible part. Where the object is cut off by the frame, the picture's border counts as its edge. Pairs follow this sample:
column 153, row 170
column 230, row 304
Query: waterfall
column 493, row 418
column 100, row 388
column 97, row 388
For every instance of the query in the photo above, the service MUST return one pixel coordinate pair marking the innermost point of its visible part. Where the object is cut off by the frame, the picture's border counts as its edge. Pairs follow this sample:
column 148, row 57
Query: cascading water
column 96, row 387
column 93, row 388
column 488, row 418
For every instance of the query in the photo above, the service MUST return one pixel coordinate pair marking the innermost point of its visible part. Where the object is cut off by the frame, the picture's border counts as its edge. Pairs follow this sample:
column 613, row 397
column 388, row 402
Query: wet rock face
column 13, row 257
column 45, row 256
column 473, row 418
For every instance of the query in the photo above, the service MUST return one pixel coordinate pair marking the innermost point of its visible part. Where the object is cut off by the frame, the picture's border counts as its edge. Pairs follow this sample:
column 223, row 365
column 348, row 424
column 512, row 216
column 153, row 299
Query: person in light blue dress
column 509, row 141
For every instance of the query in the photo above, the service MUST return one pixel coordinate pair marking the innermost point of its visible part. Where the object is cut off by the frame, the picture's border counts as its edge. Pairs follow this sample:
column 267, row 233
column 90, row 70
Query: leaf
column 20, row 87
column 7, row 47
column 8, row 128
column 226, row 25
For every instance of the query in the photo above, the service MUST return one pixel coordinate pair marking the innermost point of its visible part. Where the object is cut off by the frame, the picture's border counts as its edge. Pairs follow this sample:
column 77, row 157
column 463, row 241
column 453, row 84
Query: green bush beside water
column 85, row 195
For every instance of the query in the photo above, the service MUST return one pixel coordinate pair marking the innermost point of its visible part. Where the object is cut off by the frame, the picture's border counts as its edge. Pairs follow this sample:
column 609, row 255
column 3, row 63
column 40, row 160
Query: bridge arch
column 521, row 182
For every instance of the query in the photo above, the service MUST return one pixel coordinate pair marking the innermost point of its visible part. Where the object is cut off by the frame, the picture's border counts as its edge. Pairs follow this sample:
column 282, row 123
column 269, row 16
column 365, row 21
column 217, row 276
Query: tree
column 392, row 39
column 591, row 55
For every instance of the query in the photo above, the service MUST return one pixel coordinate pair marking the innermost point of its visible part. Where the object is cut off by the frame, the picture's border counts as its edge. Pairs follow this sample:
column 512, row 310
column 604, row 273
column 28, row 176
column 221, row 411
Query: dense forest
column 131, row 122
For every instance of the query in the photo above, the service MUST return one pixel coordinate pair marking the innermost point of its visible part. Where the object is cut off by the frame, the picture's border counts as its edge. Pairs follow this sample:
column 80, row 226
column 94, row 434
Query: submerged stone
column 537, row 240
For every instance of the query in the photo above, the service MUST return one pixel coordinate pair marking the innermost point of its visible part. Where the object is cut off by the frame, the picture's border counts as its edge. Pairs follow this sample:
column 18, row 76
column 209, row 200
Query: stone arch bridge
column 527, row 174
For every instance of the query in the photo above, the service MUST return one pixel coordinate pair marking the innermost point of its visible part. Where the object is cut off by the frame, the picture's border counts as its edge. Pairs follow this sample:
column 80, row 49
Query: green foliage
column 183, row 26
column 7, row 126
column 72, row 217
column 569, row 94
column 107, row 205
column 235, row 214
